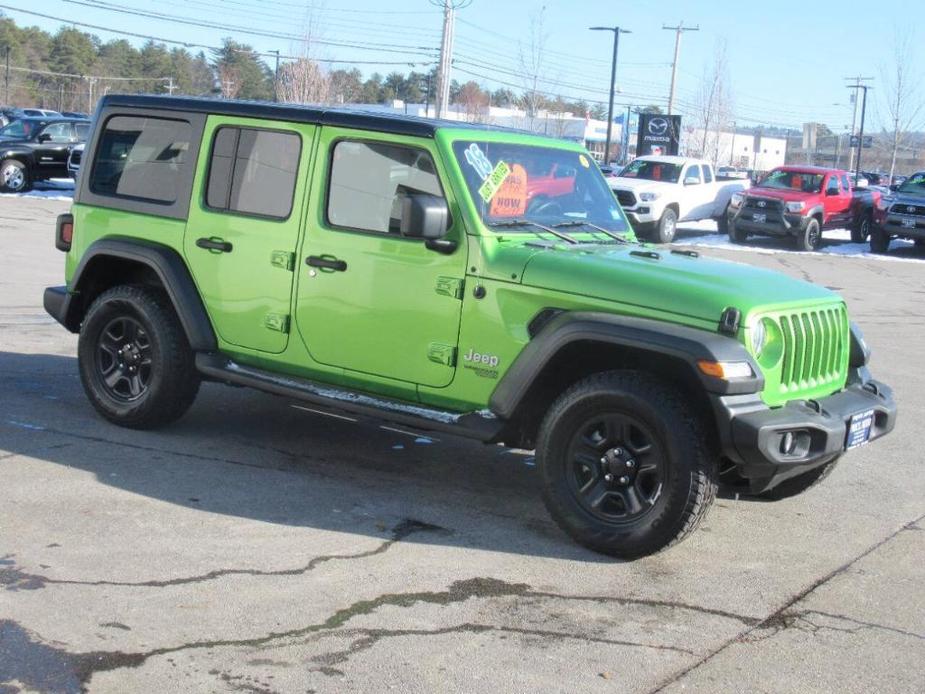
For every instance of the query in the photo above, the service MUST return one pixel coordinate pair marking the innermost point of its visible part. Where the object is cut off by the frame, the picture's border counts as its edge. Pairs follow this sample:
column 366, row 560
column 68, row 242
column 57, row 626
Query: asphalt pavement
column 258, row 546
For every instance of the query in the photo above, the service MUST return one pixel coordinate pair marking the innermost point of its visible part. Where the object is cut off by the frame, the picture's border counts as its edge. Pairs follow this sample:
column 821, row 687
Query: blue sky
column 787, row 59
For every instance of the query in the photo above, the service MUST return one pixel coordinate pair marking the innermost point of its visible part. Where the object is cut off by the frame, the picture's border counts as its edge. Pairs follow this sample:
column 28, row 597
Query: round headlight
column 759, row 335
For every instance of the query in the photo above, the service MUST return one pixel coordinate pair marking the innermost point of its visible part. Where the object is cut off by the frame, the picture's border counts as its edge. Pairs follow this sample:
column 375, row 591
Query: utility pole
column 170, row 86
column 854, row 115
column 857, row 166
column 442, row 100
column 613, row 83
column 680, row 29
column 7, row 95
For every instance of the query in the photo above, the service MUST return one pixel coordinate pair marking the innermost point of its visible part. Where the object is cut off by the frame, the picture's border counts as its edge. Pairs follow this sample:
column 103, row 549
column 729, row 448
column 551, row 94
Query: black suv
column 901, row 214
column 36, row 149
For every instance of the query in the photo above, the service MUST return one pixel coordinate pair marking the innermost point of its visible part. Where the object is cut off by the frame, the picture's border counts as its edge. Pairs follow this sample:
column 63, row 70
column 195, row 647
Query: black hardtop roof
column 397, row 123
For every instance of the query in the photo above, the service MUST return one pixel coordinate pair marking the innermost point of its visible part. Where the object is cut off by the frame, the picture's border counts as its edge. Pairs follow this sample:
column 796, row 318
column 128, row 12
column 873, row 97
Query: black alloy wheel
column 124, row 359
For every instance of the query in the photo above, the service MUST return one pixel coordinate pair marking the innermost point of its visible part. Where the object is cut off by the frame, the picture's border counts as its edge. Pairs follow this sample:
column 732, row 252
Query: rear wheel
column 14, row 177
column 666, row 227
column 879, row 239
column 722, row 222
column 811, row 237
column 860, row 232
column 625, row 466
column 135, row 362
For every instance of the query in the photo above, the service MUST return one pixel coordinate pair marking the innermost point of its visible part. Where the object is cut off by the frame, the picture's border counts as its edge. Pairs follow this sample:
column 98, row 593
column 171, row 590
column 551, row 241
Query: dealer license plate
column 859, row 429
column 759, row 217
column 909, row 222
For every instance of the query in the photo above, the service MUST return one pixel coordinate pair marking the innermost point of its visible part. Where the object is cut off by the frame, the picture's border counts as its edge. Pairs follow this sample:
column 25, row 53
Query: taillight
column 64, row 232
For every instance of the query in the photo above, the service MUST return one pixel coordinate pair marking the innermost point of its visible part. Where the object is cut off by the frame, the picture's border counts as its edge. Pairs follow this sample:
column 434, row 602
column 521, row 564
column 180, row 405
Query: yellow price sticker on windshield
column 491, row 185
column 584, row 161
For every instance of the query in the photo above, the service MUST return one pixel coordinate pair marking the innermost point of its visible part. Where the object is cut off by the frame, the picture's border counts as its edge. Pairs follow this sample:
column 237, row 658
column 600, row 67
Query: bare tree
column 903, row 94
column 304, row 81
column 474, row 101
column 714, row 108
column 532, row 68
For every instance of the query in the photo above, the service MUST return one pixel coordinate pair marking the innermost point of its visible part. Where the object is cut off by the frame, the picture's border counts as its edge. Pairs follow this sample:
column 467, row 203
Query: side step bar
column 483, row 426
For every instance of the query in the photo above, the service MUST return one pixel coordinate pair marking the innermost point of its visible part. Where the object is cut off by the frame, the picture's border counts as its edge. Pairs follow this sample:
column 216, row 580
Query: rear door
column 243, row 226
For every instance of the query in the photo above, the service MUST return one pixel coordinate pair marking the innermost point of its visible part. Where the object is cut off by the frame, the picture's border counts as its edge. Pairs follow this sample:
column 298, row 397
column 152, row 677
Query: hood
column 780, row 194
column 691, row 287
column 897, row 198
column 636, row 184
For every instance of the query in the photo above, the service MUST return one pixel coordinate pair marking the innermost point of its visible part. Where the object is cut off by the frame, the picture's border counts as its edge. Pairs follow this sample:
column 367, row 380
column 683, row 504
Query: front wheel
column 625, row 467
column 736, row 235
column 666, row 227
column 811, row 237
column 860, row 232
column 135, row 362
column 14, row 177
column 879, row 240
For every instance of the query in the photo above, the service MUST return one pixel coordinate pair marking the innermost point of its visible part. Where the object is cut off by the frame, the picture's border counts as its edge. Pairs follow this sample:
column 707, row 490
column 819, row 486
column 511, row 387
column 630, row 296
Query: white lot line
column 709, row 238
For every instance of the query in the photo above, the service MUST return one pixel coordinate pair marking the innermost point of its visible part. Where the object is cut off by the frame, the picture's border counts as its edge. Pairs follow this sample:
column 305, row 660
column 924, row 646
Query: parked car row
column 38, row 148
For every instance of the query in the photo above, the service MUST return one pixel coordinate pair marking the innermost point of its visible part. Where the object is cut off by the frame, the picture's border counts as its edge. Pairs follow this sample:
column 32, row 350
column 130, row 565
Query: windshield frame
column 455, row 142
column 674, row 167
column 818, row 189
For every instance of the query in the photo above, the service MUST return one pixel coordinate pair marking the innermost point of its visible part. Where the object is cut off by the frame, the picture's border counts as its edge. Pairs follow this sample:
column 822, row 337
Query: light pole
column 613, row 80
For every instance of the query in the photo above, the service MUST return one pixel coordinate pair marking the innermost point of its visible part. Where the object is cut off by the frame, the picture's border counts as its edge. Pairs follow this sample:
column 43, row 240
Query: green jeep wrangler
column 456, row 278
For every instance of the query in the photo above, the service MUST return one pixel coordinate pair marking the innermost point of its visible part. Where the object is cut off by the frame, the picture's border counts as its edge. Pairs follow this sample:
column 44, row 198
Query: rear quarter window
column 141, row 158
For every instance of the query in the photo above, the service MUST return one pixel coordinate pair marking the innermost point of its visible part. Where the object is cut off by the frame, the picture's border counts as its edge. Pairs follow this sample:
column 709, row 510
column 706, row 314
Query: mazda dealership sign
column 658, row 134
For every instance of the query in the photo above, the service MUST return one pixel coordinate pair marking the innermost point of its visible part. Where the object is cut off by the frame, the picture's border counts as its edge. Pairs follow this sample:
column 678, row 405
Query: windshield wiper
column 527, row 222
column 583, row 223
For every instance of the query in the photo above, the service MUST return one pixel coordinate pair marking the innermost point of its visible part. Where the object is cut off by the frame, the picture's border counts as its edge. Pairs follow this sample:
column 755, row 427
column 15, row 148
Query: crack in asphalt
column 22, row 653
column 801, row 620
column 776, row 621
column 14, row 579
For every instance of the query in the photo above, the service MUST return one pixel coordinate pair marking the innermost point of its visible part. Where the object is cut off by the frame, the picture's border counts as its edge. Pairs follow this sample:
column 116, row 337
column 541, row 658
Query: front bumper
column 752, row 433
column 893, row 226
column 776, row 223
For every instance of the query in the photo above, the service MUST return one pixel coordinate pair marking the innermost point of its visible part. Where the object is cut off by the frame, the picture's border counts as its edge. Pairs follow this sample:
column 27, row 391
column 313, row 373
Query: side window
column 141, row 158
column 693, row 172
column 707, row 174
column 845, row 186
column 253, row 171
column 83, row 131
column 832, row 185
column 368, row 181
column 58, row 132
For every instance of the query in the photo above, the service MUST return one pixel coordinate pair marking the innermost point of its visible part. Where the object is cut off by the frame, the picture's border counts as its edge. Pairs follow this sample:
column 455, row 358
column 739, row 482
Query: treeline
column 71, row 69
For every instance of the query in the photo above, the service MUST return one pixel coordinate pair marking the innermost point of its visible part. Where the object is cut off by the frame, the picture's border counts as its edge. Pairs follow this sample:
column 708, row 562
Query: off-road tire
column 722, row 222
column 737, row 235
column 811, row 237
column 800, row 483
column 17, row 171
column 666, row 227
column 172, row 380
column 860, row 231
column 879, row 239
column 689, row 479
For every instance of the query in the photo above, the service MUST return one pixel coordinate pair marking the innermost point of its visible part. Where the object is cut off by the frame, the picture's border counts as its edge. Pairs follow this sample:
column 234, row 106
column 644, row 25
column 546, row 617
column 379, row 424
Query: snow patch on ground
column 54, row 189
column 704, row 234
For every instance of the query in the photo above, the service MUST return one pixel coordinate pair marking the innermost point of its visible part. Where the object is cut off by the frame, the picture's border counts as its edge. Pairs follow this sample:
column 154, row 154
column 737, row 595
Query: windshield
column 793, row 180
column 544, row 185
column 652, row 171
column 915, row 184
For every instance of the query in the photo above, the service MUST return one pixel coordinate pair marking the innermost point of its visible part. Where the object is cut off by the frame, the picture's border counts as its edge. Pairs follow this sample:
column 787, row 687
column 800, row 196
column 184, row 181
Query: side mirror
column 691, row 181
column 44, row 137
column 425, row 216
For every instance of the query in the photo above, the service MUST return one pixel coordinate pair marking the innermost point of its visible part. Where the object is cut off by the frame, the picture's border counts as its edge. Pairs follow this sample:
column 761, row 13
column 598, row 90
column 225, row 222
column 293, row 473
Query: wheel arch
column 112, row 261
column 574, row 345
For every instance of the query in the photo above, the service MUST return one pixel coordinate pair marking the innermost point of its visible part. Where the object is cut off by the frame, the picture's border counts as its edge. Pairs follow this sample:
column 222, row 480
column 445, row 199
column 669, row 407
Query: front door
column 837, row 202
column 369, row 299
column 243, row 226
column 52, row 146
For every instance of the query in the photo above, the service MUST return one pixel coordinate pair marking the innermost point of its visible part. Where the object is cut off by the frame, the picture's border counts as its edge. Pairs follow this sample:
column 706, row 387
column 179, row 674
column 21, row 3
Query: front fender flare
column 644, row 335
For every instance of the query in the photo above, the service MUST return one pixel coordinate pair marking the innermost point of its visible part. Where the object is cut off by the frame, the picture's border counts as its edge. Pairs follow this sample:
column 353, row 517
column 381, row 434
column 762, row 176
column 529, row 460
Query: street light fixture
column 613, row 79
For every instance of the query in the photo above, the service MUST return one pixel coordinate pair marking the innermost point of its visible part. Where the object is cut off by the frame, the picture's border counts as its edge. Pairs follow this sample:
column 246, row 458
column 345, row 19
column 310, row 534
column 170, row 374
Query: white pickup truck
column 659, row 191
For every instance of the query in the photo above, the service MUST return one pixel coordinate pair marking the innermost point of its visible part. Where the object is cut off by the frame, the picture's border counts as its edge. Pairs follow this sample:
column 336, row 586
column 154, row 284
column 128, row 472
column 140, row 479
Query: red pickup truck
column 802, row 202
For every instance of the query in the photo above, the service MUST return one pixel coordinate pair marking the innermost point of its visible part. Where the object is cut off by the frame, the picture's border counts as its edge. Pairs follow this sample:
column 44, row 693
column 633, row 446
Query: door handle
column 326, row 263
column 214, row 245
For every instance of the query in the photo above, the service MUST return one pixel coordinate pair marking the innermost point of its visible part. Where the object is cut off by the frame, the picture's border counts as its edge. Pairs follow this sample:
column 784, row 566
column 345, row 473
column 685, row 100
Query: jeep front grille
column 625, row 198
column 815, row 345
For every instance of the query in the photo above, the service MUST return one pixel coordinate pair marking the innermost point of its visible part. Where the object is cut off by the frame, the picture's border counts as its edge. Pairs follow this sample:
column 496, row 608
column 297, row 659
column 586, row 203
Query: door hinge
column 283, row 259
column 277, row 321
column 451, row 286
column 441, row 353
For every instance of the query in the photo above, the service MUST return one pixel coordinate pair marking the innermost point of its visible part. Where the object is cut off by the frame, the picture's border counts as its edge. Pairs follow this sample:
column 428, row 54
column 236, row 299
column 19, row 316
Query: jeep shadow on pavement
column 355, row 260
